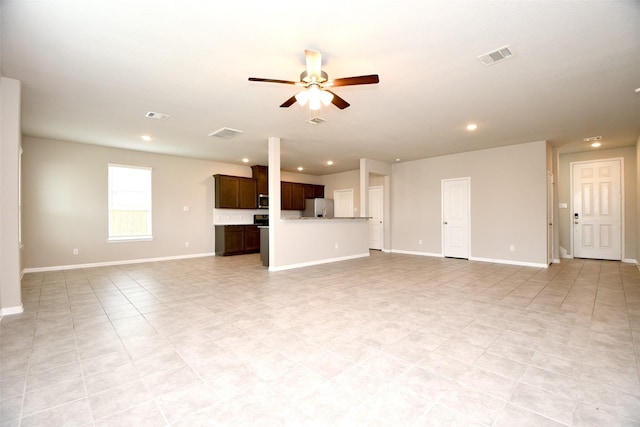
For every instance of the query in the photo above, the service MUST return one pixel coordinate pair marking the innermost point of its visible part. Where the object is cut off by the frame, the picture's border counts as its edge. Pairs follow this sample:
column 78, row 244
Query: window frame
column 132, row 238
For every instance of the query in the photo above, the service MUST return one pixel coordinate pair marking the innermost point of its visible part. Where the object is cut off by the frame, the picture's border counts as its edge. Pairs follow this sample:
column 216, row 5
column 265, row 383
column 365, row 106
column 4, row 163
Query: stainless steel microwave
column 263, row 201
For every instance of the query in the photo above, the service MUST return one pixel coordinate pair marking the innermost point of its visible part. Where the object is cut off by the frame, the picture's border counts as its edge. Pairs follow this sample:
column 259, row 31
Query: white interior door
column 597, row 209
column 455, row 217
column 376, row 213
column 343, row 203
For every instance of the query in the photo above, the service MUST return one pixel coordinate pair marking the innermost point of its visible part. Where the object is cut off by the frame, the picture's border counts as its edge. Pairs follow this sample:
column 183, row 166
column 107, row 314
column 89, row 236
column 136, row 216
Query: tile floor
column 389, row 340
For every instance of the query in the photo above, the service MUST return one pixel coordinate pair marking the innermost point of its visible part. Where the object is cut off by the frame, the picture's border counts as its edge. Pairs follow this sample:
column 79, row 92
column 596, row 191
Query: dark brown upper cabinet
column 235, row 192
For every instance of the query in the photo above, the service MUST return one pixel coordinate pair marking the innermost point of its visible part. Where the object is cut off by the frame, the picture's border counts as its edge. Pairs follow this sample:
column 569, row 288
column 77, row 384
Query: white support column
column 274, row 197
column 10, row 141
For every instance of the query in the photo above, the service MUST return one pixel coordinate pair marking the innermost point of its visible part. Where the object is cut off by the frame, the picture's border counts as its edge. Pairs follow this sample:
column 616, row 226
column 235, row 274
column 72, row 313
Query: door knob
column 445, row 223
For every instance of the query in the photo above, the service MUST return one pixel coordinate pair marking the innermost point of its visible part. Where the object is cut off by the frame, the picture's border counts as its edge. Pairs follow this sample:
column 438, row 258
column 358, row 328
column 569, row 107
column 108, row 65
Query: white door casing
column 549, row 218
column 456, row 217
column 343, row 203
column 597, row 209
column 376, row 220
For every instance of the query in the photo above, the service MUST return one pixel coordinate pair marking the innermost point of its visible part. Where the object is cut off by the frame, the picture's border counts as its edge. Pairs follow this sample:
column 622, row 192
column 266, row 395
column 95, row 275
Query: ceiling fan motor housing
column 305, row 77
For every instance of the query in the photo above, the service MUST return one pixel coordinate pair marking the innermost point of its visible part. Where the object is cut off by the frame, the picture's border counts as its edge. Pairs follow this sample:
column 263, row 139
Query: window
column 129, row 203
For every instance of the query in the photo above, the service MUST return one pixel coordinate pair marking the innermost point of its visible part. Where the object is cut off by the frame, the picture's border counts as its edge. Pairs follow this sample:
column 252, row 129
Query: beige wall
column 65, row 204
column 508, row 202
column 630, row 180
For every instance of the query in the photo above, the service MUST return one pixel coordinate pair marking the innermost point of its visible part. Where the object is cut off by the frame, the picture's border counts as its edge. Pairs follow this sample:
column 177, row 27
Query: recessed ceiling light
column 329, row 162
column 596, row 145
column 245, row 160
column 300, row 168
column 637, row 90
column 397, row 160
column 146, row 138
column 472, row 126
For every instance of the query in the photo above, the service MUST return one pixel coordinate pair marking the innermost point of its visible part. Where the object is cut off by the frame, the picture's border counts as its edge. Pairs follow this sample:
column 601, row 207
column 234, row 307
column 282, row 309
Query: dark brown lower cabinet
column 237, row 239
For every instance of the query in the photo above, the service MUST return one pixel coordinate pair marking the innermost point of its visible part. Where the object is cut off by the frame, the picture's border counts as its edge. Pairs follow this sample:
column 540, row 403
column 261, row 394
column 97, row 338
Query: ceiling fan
column 316, row 84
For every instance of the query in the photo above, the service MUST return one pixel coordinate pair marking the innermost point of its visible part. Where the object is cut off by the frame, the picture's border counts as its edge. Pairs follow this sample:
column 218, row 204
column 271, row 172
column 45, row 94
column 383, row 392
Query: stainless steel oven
column 261, row 219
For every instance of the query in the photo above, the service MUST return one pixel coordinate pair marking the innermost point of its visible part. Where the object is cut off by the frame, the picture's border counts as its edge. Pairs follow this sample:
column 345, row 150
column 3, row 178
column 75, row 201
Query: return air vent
column 316, row 120
column 225, row 133
column 496, row 56
column 592, row 139
column 157, row 116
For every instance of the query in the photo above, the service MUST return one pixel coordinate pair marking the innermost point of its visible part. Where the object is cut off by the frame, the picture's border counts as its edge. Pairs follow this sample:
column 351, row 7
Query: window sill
column 129, row 239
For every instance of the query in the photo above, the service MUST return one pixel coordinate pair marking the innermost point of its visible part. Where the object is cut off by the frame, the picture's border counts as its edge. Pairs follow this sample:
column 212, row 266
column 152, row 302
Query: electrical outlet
column 336, row 246
column 185, row 208
column 420, row 241
column 75, row 251
column 186, row 244
column 512, row 248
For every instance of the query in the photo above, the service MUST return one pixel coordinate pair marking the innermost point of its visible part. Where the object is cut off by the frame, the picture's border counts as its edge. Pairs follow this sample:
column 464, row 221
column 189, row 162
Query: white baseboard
column 323, row 261
column 8, row 311
column 510, row 262
column 630, row 261
column 495, row 261
column 397, row 251
column 111, row 263
column 556, row 261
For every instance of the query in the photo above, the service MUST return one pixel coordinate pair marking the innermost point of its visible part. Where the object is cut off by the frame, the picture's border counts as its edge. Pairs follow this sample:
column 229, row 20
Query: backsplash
column 235, row 216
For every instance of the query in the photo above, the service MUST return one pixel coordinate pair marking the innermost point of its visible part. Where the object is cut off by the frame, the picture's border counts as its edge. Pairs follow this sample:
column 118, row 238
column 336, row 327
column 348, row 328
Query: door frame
column 442, row 231
column 622, row 209
column 550, row 220
column 381, row 188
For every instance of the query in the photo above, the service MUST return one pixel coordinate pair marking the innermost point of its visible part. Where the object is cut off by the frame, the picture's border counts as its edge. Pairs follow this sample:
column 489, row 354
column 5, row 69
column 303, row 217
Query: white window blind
column 129, row 203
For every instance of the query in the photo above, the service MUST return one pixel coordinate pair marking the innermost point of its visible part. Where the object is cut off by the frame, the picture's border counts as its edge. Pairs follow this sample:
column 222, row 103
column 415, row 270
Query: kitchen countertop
column 322, row 218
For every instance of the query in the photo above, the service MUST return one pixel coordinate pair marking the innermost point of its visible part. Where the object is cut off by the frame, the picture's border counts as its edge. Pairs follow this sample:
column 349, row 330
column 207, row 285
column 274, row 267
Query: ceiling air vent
column 592, row 139
column 157, row 116
column 496, row 56
column 316, row 120
column 225, row 133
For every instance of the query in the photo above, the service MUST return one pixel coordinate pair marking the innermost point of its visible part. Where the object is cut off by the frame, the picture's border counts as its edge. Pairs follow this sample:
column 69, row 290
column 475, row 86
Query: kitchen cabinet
column 293, row 194
column 312, row 191
column 261, row 175
column 237, row 239
column 235, row 192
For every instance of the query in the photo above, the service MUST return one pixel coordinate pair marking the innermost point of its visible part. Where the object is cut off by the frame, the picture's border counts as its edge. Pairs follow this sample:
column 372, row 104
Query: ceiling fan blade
column 314, row 63
column 257, row 79
column 358, row 80
column 289, row 102
column 338, row 102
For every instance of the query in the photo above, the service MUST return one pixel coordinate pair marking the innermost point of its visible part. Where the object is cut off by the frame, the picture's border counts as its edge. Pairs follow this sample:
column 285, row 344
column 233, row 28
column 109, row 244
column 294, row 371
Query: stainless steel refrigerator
column 318, row 208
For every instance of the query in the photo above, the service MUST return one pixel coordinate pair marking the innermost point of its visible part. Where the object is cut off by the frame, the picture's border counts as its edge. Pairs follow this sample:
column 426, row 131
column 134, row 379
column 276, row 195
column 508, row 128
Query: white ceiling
column 91, row 70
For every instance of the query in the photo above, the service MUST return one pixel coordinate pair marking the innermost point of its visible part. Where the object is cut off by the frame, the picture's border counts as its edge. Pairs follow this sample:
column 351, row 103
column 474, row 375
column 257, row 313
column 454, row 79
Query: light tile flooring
column 389, row 340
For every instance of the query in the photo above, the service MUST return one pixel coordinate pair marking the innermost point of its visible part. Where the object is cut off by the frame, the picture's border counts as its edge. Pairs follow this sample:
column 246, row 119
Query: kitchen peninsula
column 290, row 239
column 305, row 241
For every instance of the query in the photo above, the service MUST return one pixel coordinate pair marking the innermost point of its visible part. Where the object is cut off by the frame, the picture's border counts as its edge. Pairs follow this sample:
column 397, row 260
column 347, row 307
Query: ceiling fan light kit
column 316, row 83
column 314, row 96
